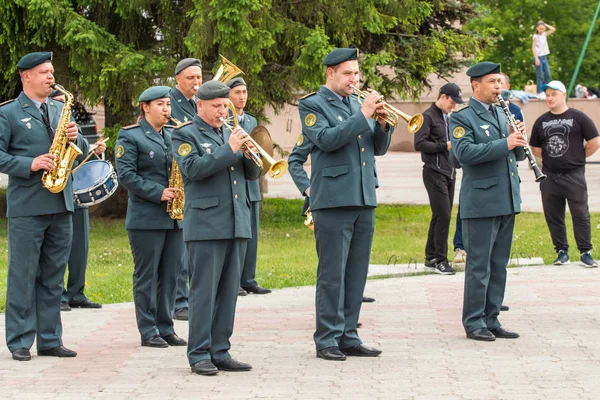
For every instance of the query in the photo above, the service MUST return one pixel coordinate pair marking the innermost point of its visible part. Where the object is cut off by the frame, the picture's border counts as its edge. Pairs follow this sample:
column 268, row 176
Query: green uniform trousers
column 73, row 290
column 181, row 299
column 487, row 242
column 39, row 247
column 248, row 278
column 157, row 256
column 344, row 237
column 216, row 267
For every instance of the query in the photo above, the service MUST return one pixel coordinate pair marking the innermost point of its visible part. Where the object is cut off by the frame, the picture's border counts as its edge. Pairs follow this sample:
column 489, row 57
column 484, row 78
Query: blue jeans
column 542, row 73
column 458, row 241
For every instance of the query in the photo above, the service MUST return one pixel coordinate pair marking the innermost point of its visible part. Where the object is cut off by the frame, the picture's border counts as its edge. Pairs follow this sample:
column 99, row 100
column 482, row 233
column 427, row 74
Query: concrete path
column 415, row 321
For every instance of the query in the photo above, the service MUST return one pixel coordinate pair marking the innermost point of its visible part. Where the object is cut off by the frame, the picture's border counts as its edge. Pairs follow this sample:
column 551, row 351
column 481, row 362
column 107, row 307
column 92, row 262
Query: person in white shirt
column 540, row 50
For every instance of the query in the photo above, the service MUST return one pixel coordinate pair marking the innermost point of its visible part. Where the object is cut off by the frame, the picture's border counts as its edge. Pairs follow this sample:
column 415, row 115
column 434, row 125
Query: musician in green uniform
column 489, row 199
column 342, row 200
column 248, row 283
column 73, row 289
column 39, row 221
column 188, row 74
column 144, row 158
column 216, row 225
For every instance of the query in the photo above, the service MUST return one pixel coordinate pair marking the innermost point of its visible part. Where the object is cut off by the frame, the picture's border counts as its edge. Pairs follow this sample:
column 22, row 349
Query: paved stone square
column 415, row 321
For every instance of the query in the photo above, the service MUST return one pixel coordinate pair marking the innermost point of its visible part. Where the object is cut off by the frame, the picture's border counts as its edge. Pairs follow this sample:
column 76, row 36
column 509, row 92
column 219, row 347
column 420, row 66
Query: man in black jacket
column 433, row 142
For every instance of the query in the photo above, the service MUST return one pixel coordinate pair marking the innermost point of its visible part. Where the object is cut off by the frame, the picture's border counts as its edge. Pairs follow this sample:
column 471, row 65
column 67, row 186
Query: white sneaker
column 541, row 96
column 460, row 256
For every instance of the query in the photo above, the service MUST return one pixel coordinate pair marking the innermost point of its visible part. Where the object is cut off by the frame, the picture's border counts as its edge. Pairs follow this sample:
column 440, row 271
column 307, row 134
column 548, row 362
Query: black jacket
column 431, row 140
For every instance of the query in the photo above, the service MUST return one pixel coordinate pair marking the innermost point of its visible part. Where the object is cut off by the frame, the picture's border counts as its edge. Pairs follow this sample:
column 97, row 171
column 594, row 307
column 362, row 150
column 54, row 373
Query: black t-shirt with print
column 561, row 138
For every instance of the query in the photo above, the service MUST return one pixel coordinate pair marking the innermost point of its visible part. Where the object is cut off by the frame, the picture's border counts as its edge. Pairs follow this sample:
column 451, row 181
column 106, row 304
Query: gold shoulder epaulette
column 130, row 126
column 308, row 95
column 7, row 102
column 461, row 109
column 184, row 124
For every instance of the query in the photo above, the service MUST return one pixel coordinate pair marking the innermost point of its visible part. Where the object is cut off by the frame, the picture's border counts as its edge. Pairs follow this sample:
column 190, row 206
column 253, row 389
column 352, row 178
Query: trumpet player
column 346, row 139
column 143, row 156
column 216, row 225
column 248, row 283
column 188, row 75
column 39, row 221
column 489, row 199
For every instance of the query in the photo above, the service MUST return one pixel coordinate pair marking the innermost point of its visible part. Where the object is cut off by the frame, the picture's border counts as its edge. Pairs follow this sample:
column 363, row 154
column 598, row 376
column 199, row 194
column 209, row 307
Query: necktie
column 346, row 101
column 46, row 119
column 193, row 104
column 493, row 112
column 218, row 132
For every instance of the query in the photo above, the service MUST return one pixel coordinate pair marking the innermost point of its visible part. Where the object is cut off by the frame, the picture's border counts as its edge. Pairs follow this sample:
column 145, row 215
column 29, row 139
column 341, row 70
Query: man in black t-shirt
column 564, row 138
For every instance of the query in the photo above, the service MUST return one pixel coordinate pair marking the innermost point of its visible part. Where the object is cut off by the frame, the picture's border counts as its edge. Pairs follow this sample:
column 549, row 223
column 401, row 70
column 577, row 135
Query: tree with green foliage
column 513, row 22
column 108, row 51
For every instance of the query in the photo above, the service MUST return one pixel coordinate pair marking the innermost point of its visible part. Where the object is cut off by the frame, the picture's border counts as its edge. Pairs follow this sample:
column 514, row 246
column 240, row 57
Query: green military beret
column 338, row 56
column 483, row 68
column 185, row 63
column 213, row 90
column 34, row 59
column 154, row 92
column 235, row 82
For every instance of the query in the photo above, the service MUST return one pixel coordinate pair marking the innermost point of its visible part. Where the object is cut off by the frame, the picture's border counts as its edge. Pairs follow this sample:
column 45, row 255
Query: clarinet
column 539, row 175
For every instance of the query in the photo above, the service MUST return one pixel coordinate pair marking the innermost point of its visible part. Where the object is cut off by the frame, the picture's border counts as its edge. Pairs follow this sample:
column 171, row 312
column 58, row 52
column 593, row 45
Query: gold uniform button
column 235, row 182
column 363, row 149
column 232, row 168
column 510, row 161
column 512, row 174
column 364, row 163
column 359, row 136
column 235, row 196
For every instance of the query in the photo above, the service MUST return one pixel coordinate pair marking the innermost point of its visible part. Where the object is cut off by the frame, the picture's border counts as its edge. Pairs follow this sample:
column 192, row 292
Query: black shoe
column 504, row 308
column 58, row 351
column 182, row 314
column 174, row 340
column 359, row 324
column 443, row 268
column 361, row 351
column 482, row 334
column 155, row 341
column 430, row 263
column 204, row 367
column 232, row 365
column 502, row 333
column 64, row 306
column 84, row 304
column 21, row 354
column 256, row 290
column 366, row 299
column 241, row 292
column 331, row 353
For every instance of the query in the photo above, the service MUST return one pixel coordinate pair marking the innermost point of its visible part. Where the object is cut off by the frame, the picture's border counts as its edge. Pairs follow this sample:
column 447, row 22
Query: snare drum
column 94, row 182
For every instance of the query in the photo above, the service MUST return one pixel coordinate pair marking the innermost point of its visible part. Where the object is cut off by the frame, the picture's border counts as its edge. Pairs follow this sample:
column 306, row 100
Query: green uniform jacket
column 343, row 160
column 490, row 181
column 216, row 202
column 144, row 161
column 23, row 137
column 248, row 123
column 181, row 109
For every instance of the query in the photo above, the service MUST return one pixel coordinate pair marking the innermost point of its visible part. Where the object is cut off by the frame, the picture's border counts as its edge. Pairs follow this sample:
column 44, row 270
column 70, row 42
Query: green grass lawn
column 286, row 255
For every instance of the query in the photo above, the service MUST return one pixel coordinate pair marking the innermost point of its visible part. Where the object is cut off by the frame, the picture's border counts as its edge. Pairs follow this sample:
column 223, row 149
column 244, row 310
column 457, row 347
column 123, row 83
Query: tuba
column 175, row 206
column 393, row 114
column 62, row 148
column 261, row 157
column 227, row 71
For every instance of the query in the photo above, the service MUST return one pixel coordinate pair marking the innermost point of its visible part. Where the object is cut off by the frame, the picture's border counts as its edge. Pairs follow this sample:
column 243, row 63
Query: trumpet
column 393, row 114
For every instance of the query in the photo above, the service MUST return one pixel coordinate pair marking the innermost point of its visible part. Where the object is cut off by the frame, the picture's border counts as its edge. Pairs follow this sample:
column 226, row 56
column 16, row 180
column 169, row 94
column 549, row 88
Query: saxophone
column 63, row 149
column 175, row 206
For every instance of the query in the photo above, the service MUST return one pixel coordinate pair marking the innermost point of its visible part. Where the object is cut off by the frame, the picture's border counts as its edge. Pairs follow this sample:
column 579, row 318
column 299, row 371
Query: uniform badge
column 185, row 119
column 119, row 151
column 484, row 127
column 27, row 124
column 300, row 140
column 310, row 119
column 151, row 154
column 340, row 118
column 208, row 150
column 184, row 149
column 458, row 132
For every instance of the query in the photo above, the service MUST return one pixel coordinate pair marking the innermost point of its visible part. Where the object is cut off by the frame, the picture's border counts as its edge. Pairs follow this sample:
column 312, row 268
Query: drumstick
column 92, row 148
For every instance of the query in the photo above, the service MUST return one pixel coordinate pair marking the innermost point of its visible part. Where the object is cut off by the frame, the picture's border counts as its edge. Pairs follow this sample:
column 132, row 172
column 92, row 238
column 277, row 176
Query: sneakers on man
column 563, row 258
column 587, row 260
column 430, row 263
column 460, row 256
column 443, row 268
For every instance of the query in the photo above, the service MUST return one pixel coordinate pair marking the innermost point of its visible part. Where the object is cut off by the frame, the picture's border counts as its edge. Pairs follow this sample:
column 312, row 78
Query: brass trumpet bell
column 262, row 140
column 393, row 114
column 227, row 71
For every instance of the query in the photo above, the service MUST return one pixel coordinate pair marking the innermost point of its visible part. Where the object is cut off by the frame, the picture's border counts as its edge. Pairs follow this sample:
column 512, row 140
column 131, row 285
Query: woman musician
column 143, row 157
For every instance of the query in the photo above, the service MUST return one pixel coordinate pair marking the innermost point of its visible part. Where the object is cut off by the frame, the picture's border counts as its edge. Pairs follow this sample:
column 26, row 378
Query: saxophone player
column 39, row 221
column 143, row 157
